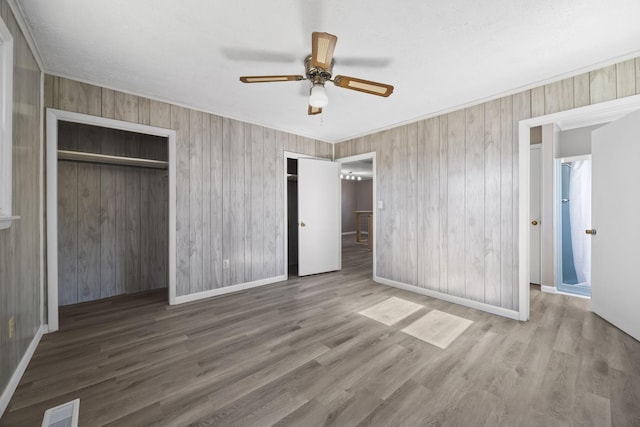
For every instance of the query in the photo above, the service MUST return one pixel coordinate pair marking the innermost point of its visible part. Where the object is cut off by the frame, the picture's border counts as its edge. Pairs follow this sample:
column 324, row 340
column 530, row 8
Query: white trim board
column 11, row 387
column 228, row 289
column 53, row 116
column 6, row 125
column 365, row 156
column 504, row 312
column 578, row 117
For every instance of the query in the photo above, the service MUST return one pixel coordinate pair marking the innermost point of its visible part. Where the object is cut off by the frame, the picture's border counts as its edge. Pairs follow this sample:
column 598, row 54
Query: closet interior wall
column 112, row 220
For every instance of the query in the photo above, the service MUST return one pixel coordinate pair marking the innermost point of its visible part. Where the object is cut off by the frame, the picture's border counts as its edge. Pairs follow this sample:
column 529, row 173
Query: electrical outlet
column 12, row 327
column 225, row 263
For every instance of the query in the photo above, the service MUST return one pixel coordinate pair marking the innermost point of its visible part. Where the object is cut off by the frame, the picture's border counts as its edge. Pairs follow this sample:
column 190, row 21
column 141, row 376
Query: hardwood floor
column 297, row 353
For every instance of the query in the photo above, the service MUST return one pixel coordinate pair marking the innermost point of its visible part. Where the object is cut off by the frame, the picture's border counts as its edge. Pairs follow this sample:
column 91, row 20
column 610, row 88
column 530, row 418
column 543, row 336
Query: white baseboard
column 548, row 289
column 5, row 398
column 228, row 289
column 504, row 312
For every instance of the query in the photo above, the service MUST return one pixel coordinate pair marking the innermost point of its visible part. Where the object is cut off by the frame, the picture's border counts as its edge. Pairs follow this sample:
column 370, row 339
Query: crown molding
column 16, row 9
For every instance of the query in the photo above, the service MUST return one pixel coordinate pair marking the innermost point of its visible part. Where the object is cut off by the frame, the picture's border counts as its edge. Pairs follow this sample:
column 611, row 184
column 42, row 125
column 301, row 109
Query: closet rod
column 80, row 156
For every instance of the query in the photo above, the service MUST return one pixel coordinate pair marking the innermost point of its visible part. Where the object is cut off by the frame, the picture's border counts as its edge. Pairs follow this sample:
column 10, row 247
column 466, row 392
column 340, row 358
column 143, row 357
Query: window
column 6, row 120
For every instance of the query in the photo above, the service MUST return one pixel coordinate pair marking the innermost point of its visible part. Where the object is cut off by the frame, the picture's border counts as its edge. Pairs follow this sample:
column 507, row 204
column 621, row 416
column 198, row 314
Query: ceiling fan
column 318, row 68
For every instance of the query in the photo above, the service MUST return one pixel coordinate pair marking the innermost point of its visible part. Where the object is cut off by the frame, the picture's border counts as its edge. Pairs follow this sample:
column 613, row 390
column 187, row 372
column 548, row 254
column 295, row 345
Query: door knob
column 302, row 224
column 534, row 222
column 592, row 232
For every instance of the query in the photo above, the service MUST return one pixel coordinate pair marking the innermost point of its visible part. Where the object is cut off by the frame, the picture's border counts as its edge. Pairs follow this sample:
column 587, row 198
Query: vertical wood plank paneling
column 48, row 91
column 492, row 202
column 247, row 235
column 581, row 96
column 422, row 194
column 474, row 203
column 159, row 114
column 537, row 101
column 444, row 203
column 626, row 78
column 79, row 97
column 216, row 213
column 280, row 233
column 411, row 202
column 507, row 243
column 146, row 222
column 56, row 92
column 521, row 111
column 67, row 232
column 195, row 201
column 207, row 237
column 132, row 219
column 384, row 224
column 269, row 185
column 397, row 195
column 157, row 215
column 558, row 96
column 180, row 123
column 107, row 230
column 258, row 208
column 108, row 102
column 602, row 84
column 88, row 232
column 456, row 203
column 233, row 201
column 637, row 75
column 121, row 229
column 126, row 107
column 428, row 221
column 144, row 111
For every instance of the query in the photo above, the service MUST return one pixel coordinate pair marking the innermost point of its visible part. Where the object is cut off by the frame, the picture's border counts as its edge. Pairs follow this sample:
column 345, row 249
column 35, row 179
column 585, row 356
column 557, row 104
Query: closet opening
column 292, row 216
column 110, row 213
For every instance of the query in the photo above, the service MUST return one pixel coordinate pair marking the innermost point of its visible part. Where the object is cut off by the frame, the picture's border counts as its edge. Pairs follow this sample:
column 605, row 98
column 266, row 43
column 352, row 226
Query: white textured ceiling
column 439, row 54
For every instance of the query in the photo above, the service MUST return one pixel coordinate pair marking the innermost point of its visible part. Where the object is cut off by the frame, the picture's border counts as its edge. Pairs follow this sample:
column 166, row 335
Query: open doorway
column 582, row 117
column 573, row 201
column 312, row 215
column 357, row 176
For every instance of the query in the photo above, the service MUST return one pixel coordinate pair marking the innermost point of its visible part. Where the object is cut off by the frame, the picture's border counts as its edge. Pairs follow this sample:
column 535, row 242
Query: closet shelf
column 80, row 156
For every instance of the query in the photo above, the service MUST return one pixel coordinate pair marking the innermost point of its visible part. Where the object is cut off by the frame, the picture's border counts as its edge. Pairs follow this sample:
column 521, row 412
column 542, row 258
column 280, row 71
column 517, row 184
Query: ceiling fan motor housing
column 317, row 75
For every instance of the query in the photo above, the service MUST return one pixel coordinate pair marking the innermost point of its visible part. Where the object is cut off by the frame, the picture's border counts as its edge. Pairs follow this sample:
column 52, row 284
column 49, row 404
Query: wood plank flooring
column 298, row 354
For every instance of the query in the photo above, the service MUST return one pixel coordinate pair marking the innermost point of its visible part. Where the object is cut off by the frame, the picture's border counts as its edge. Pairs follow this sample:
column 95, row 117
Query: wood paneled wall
column 112, row 220
column 450, row 187
column 230, row 183
column 20, row 244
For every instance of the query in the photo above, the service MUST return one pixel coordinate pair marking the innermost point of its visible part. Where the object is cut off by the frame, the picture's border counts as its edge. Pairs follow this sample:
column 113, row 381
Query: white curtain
column 580, row 214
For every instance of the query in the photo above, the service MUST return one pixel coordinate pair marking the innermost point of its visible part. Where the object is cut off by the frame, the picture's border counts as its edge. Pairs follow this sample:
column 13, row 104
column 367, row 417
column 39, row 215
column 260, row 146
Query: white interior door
column 534, row 214
column 319, row 225
column 615, row 293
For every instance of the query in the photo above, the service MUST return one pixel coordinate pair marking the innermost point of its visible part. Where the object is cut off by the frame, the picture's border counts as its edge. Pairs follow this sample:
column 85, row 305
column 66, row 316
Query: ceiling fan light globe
column 318, row 97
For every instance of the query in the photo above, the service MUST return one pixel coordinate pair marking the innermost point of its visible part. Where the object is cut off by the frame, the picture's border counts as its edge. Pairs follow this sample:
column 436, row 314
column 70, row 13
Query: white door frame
column 53, row 117
column 570, row 119
column 356, row 158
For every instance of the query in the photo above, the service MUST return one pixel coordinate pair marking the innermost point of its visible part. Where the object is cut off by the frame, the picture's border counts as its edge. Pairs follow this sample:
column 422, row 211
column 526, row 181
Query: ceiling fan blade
column 314, row 110
column 322, row 46
column 366, row 86
column 266, row 79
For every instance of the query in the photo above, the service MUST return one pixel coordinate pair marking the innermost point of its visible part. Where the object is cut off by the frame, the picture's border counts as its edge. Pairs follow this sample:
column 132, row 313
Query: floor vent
column 65, row 415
